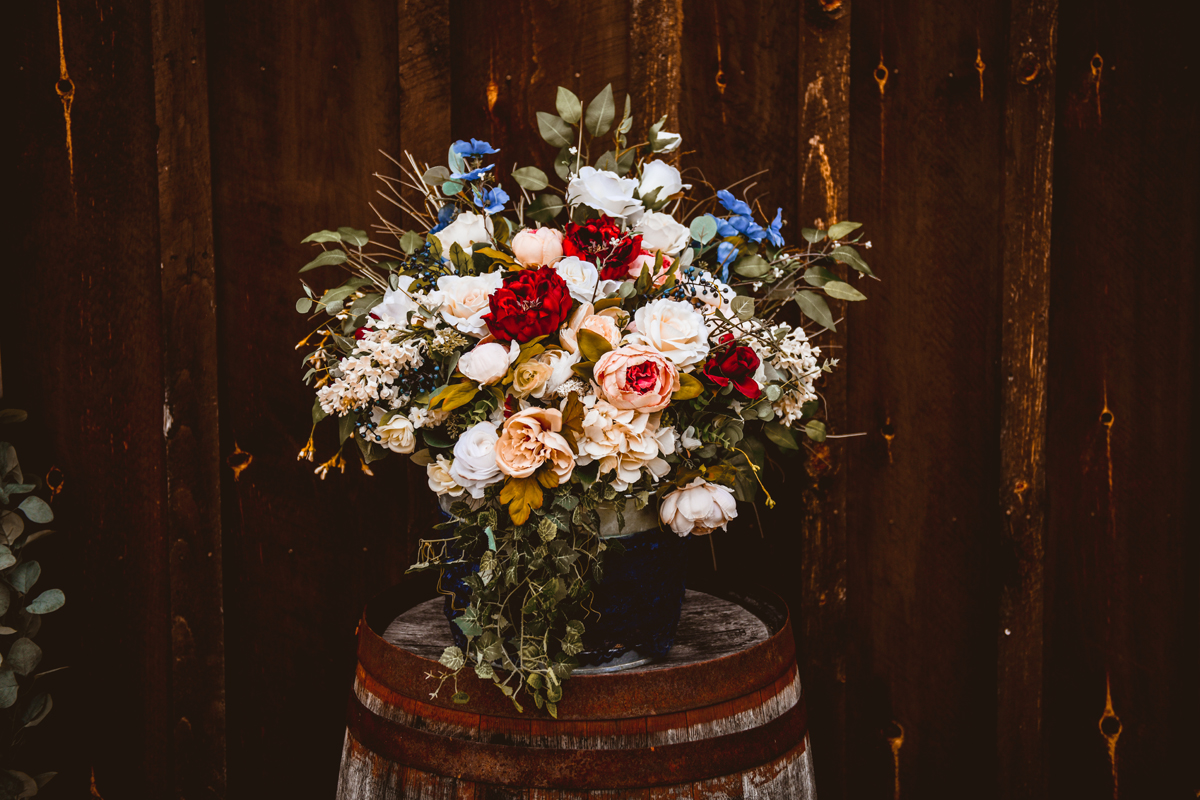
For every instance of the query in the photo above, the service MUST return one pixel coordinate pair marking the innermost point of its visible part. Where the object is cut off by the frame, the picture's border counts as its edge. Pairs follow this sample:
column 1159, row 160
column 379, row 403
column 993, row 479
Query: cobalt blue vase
column 637, row 603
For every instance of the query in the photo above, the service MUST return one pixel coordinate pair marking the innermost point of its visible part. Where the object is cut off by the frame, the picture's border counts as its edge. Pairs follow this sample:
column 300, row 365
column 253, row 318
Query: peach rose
column 530, row 439
column 602, row 325
column 538, row 248
column 637, row 377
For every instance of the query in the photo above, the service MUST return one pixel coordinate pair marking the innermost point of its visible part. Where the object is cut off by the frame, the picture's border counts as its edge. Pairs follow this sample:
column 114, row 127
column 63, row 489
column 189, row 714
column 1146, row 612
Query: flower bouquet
column 588, row 373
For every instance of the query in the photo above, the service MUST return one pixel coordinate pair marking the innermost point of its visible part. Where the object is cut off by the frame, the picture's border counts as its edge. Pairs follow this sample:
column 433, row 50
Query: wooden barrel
column 721, row 717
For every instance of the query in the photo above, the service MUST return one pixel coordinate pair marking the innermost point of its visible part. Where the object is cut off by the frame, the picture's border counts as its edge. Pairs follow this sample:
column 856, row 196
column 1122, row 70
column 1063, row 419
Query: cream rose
column 673, row 328
column 538, row 248
column 440, row 479
column 530, row 376
column 700, row 507
column 397, row 434
column 530, row 439
column 661, row 176
column 662, row 234
column 468, row 228
column 487, row 363
column 625, row 442
column 606, row 192
column 636, row 377
column 464, row 300
column 580, row 276
column 474, row 466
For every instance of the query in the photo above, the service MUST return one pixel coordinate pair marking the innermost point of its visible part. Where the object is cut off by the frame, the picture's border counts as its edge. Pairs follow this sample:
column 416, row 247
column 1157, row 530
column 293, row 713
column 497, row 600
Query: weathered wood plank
column 656, row 68
column 823, row 161
column 1025, row 301
column 1124, row 364
column 190, row 427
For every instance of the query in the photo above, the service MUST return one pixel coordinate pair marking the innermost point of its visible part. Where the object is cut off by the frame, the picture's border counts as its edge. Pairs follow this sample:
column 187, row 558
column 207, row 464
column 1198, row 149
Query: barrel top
column 709, row 627
column 729, row 644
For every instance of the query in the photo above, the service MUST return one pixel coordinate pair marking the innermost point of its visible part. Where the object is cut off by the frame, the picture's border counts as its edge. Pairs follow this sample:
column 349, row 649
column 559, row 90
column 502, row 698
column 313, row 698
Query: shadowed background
column 995, row 590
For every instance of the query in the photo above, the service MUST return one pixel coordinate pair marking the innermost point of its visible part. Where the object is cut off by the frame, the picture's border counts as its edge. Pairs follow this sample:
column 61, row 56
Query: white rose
column 474, row 466
column 536, row 248
column 673, row 328
column 488, row 363
column 606, row 192
column 560, row 362
column 661, row 176
column 440, row 480
column 700, row 507
column 581, row 277
column 467, row 229
column 393, row 310
column 662, row 234
column 464, row 300
column 397, row 434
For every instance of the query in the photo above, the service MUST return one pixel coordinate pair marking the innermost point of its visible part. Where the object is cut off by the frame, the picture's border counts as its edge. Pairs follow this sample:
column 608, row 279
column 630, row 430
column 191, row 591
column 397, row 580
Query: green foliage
column 23, row 705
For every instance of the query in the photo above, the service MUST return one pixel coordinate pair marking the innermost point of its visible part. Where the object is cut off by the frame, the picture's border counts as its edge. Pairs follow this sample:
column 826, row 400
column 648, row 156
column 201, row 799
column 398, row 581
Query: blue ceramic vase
column 638, row 603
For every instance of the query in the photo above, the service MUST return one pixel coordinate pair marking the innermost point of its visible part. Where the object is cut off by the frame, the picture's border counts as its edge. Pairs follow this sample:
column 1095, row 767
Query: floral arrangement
column 542, row 351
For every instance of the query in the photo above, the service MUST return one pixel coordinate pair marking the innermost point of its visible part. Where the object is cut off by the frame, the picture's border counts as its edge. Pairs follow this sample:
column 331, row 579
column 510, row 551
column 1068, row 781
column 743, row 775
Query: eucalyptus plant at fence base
column 613, row 344
column 23, row 701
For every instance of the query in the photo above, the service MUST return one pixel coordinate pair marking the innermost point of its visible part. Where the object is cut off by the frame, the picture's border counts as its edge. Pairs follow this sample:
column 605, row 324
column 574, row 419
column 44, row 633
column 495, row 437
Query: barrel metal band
column 509, row 765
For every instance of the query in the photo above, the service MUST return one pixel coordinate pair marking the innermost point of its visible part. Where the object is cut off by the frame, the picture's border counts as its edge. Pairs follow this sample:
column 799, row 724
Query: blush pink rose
column 538, row 248
column 531, row 439
column 637, row 377
column 647, row 260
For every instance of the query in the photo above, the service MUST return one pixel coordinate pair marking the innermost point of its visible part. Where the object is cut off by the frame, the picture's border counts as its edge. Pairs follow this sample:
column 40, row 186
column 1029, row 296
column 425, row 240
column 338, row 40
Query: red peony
column 601, row 242
column 532, row 303
column 734, row 364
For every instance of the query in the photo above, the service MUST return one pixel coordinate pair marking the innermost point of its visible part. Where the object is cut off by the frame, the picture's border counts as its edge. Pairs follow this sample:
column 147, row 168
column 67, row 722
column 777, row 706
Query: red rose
column 532, row 303
column 734, row 364
column 601, row 242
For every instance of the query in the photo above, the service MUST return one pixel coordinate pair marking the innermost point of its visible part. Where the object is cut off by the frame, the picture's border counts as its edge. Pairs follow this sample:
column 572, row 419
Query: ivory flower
column 700, row 507
column 530, row 376
column 661, row 176
column 468, row 228
column 440, row 479
column 606, row 192
column 560, row 363
column 673, row 328
column 662, row 234
column 474, row 466
column 580, row 276
column 464, row 300
column 538, row 248
column 394, row 309
column 625, row 442
column 487, row 363
column 636, row 377
column 530, row 439
column 397, row 434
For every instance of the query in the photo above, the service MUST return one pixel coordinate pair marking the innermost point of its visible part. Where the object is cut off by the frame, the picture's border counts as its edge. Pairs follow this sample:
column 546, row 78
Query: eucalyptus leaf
column 703, row 228
column 812, row 235
column 436, row 176
column 8, row 687
column 411, row 242
column 751, row 266
column 607, row 162
column 815, row 308
column 554, row 129
column 451, row 188
column 843, row 291
column 843, row 228
column 24, row 656
column 353, row 236
column 7, row 559
column 781, row 435
column 326, row 258
column 322, row 236
column 815, row 430
column 743, row 307
column 545, row 208
column 531, row 178
column 36, row 510
column 24, row 576
column 12, row 415
column 601, row 112
column 37, row 710
column 569, row 106
column 47, row 601
column 304, row 305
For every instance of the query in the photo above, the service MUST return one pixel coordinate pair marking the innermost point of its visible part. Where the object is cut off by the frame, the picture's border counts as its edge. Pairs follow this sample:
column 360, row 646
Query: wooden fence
column 997, row 588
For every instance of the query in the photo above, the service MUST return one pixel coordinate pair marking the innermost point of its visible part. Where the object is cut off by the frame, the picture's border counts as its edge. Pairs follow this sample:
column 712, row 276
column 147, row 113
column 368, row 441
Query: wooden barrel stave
column 369, row 775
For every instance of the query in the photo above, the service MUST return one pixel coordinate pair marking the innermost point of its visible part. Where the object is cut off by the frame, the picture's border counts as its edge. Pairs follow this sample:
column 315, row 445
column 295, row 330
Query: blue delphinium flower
column 491, row 200
column 724, row 229
column 473, row 175
column 445, row 215
column 746, row 226
column 726, row 253
column 732, row 204
column 773, row 234
column 473, row 148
